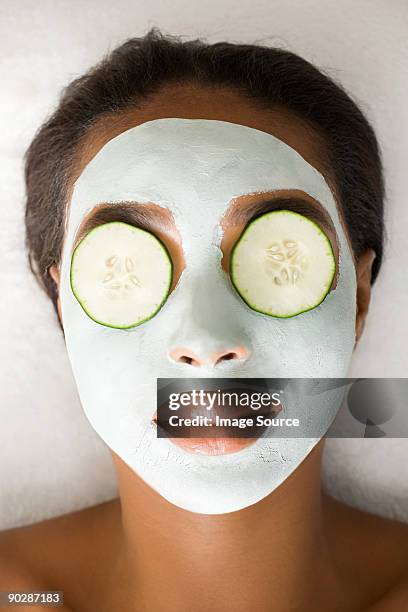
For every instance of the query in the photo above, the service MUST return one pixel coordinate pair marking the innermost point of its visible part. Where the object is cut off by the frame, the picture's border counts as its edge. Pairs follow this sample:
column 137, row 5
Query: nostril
column 238, row 352
column 184, row 355
column 227, row 357
column 185, row 359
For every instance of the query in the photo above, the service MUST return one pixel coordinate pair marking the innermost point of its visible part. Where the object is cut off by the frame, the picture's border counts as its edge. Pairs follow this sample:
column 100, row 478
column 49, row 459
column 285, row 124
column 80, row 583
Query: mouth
column 221, row 439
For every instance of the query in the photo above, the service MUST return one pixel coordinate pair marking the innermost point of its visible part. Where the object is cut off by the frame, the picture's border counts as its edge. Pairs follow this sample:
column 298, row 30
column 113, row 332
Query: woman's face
column 195, row 177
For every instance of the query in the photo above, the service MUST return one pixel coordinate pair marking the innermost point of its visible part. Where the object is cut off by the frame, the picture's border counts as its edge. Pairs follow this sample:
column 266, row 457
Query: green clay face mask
column 195, row 168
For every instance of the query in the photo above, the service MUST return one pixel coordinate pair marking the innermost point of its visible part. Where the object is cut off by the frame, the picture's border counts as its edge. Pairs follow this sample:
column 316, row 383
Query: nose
column 185, row 355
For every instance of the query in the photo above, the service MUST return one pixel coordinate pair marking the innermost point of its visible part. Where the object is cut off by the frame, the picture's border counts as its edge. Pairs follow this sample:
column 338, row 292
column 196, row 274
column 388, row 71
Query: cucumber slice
column 283, row 264
column 120, row 274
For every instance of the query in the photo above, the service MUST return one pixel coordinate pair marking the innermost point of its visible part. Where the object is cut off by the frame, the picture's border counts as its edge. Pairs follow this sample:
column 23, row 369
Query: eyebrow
column 248, row 212
column 136, row 214
column 133, row 213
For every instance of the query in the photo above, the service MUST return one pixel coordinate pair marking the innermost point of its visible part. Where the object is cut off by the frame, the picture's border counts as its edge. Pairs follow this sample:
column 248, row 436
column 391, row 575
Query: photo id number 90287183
column 32, row 598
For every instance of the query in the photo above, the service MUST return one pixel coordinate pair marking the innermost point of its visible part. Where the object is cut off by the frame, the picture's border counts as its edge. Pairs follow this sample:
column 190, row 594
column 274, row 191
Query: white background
column 51, row 461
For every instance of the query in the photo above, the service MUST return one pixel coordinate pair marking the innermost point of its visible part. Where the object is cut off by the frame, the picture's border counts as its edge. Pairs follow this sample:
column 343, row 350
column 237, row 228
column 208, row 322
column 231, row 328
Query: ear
column 363, row 270
column 54, row 273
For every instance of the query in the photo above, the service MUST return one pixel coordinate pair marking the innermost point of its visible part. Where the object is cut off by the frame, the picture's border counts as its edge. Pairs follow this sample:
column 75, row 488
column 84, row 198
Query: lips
column 214, row 439
column 212, row 446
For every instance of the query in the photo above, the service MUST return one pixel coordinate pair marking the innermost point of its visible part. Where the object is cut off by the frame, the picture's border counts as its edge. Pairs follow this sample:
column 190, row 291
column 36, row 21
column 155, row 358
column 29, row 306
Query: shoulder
column 59, row 553
column 374, row 551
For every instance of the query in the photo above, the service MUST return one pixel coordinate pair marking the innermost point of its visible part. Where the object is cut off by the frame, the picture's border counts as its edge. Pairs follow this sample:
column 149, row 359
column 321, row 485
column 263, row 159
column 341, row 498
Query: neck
column 272, row 551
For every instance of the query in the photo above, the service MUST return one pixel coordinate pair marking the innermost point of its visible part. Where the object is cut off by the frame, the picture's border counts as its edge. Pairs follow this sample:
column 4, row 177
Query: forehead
column 173, row 160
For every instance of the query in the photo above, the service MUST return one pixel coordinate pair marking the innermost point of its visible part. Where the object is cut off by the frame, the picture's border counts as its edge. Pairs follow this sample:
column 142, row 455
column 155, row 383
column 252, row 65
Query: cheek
column 115, row 372
column 315, row 344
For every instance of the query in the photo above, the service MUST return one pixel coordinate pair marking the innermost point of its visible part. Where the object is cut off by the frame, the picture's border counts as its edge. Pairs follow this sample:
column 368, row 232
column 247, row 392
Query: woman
column 191, row 143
